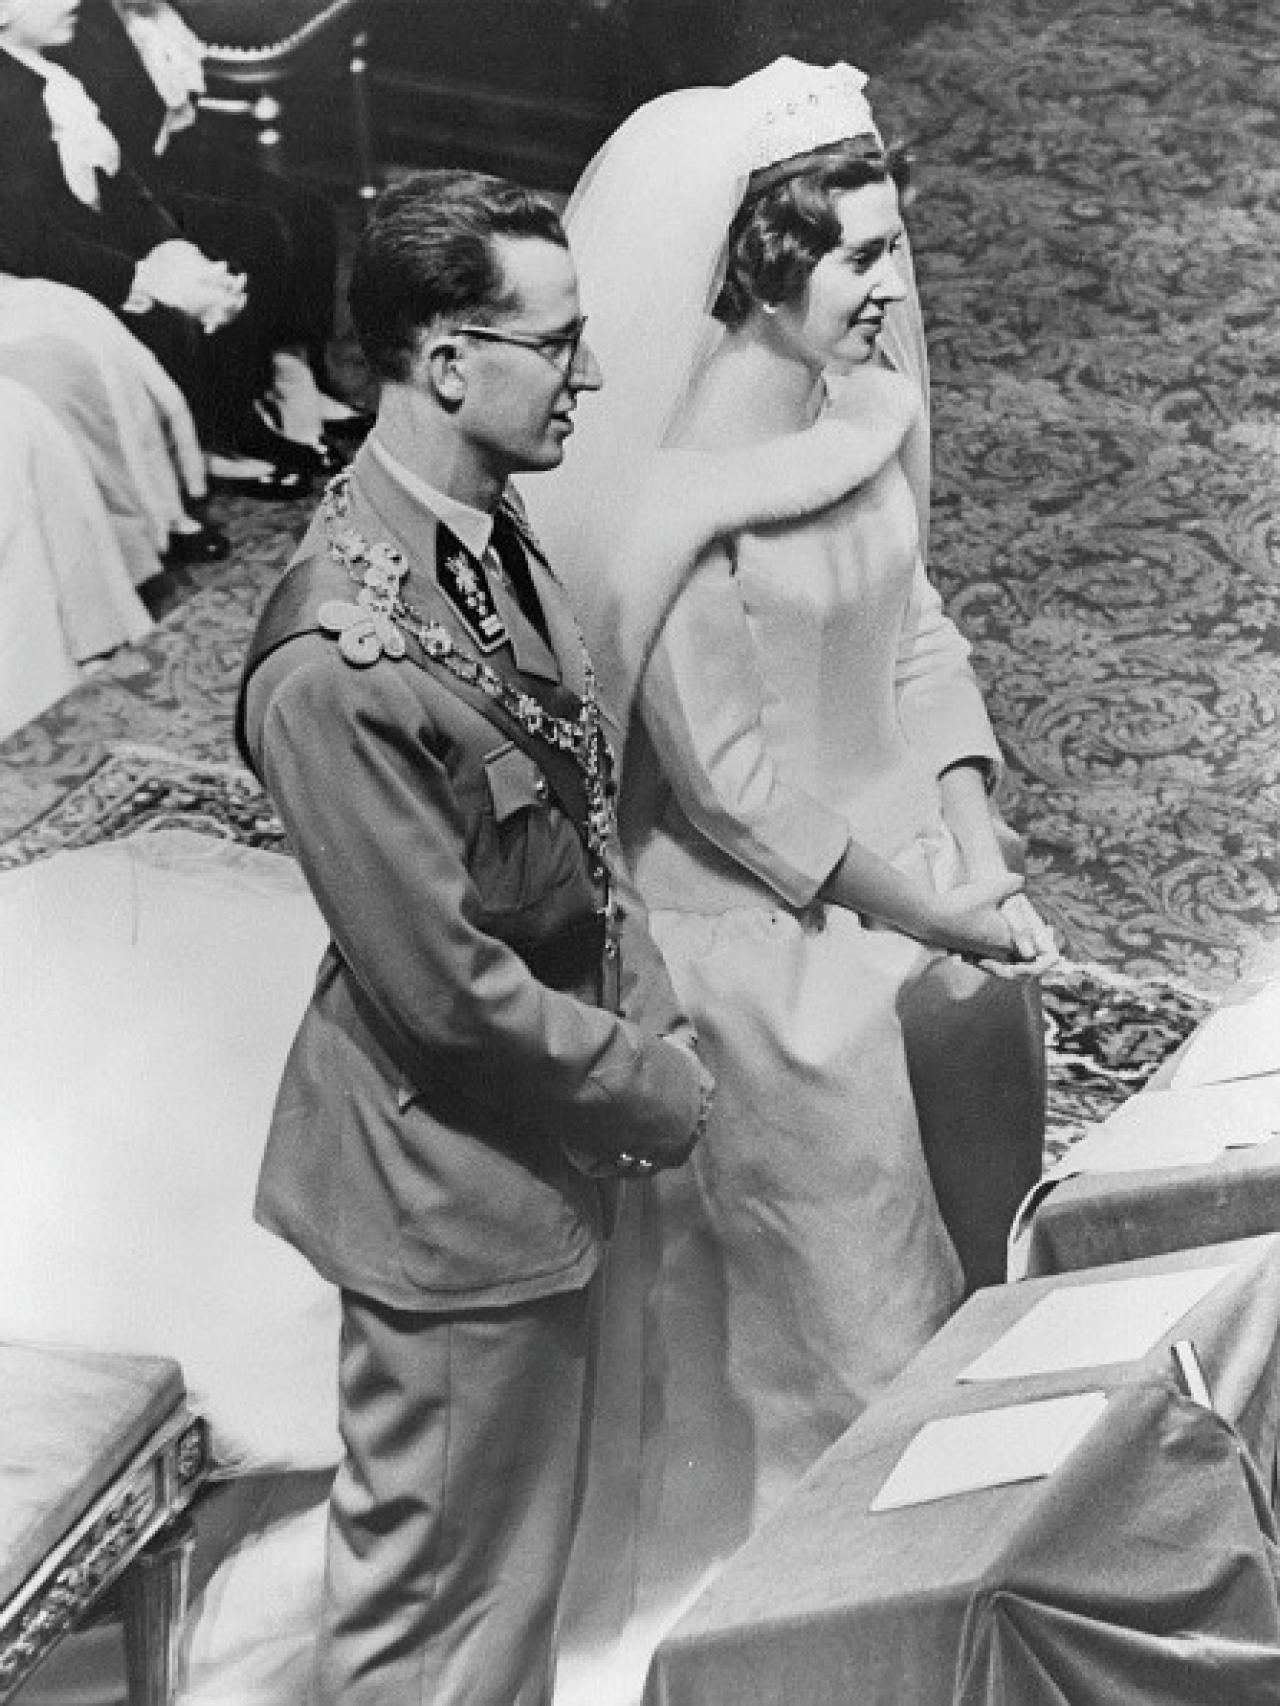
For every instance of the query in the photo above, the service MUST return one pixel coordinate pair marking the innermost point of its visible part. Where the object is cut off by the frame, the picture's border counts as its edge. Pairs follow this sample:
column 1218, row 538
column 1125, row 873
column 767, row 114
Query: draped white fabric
column 65, row 591
column 129, row 418
column 149, row 989
column 99, row 449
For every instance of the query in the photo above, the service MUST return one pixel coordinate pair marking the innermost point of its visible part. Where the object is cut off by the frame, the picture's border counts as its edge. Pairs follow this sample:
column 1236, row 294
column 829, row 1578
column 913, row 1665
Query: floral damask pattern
column 1096, row 232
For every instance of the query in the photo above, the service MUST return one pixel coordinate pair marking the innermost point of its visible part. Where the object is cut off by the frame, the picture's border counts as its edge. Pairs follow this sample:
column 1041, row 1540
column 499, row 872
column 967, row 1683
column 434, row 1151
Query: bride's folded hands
column 966, row 919
column 1036, row 945
column 971, row 920
column 986, row 919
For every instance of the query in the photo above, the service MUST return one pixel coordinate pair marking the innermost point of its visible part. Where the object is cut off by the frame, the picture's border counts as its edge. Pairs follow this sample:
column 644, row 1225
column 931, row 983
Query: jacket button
column 611, row 949
column 540, row 787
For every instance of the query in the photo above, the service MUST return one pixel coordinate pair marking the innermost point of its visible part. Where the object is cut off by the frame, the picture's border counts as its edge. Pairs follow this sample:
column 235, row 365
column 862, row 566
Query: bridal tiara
column 791, row 108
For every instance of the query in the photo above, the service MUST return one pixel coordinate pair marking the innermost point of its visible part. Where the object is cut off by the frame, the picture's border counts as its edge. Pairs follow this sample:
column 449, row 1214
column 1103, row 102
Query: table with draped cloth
column 1094, row 1218
column 1144, row 1569
column 1116, row 1217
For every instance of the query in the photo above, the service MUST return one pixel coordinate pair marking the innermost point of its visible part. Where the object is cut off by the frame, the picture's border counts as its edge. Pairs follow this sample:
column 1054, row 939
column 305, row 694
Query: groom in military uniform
column 492, row 1040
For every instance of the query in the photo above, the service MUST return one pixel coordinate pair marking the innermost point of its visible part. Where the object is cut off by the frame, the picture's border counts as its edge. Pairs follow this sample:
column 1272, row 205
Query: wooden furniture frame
column 252, row 77
column 133, row 1533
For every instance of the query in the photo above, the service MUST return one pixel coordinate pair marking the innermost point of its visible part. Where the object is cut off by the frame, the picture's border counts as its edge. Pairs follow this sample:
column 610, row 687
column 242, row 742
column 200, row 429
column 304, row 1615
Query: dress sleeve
column 375, row 819
column 939, row 701
column 702, row 700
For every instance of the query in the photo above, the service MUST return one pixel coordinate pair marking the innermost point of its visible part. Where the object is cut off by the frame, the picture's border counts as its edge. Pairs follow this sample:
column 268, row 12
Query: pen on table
column 1190, row 1373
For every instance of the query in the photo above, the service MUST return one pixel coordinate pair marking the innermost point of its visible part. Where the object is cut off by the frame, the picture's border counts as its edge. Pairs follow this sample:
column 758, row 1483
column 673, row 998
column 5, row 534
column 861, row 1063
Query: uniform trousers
column 452, row 1514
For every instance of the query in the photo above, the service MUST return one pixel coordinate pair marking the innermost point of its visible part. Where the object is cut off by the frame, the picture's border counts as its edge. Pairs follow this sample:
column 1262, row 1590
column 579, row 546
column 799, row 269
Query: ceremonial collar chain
column 375, row 625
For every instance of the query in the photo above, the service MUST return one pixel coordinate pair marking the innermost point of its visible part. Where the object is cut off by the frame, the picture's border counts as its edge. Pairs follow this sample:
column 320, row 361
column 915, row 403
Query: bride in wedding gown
column 806, row 778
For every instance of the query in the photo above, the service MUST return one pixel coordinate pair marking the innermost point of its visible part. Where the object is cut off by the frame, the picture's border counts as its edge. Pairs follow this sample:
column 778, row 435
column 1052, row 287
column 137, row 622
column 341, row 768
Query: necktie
column 506, row 546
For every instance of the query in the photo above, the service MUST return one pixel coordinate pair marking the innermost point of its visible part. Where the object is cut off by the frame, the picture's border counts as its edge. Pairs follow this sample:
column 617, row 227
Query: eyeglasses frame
column 559, row 342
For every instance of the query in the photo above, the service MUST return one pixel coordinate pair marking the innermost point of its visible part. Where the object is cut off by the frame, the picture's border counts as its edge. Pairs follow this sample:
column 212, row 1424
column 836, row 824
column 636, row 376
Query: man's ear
column 440, row 366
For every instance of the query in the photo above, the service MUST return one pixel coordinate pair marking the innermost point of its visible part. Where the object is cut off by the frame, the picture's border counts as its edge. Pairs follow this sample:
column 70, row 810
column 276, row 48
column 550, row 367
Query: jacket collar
column 382, row 504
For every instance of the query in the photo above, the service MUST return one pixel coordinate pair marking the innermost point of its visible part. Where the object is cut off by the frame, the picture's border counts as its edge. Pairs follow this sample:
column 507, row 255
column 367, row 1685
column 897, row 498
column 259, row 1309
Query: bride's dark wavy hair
column 787, row 221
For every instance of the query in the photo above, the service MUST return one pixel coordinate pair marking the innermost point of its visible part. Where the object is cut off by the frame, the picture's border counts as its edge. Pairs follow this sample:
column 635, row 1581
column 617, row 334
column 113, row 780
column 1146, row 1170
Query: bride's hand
column 1034, row 942
column 970, row 920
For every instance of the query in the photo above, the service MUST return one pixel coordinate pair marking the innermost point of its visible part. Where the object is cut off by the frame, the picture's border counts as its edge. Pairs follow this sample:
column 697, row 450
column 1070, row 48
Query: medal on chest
column 375, row 623
column 462, row 581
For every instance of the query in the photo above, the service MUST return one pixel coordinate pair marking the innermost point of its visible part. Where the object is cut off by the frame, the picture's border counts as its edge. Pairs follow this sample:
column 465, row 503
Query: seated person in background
column 65, row 590
column 129, row 420
column 142, row 66
column 73, row 210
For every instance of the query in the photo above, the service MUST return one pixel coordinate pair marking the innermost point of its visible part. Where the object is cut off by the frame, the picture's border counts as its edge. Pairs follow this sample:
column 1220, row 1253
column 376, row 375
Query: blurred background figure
column 128, row 418
column 68, row 594
column 142, row 65
column 209, row 288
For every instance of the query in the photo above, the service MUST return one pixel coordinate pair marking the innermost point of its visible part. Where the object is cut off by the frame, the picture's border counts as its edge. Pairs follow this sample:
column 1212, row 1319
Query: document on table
column 1092, row 1326
column 992, row 1448
column 1241, row 1040
column 1179, row 1128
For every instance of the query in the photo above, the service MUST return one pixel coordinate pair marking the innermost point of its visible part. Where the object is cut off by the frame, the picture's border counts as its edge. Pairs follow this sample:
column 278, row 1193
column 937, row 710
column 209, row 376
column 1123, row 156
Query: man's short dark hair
column 427, row 252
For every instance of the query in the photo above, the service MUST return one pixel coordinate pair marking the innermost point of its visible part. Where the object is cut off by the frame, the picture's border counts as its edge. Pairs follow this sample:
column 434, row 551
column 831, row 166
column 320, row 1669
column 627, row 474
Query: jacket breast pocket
column 525, row 849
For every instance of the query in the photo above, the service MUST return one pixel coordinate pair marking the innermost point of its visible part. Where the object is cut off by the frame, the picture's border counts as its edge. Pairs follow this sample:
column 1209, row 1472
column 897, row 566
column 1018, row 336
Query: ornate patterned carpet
column 1098, row 226
column 1098, row 217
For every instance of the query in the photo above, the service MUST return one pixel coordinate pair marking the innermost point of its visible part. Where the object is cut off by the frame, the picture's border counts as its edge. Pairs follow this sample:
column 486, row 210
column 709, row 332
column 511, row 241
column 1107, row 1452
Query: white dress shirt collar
column 473, row 527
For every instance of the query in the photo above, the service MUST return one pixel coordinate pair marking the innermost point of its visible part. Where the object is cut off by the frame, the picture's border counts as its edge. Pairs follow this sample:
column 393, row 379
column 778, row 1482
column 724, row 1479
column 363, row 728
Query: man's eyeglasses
column 559, row 348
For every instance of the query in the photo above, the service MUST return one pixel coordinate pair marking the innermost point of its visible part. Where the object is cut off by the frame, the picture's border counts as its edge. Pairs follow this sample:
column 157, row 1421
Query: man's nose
column 585, row 374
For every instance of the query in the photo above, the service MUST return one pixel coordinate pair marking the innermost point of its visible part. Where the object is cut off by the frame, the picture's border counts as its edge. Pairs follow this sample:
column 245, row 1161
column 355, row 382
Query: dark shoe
column 279, row 485
column 207, row 544
column 257, row 439
column 324, row 458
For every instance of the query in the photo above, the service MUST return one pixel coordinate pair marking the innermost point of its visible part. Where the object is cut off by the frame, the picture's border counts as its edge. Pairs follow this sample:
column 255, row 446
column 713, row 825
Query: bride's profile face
column 836, row 320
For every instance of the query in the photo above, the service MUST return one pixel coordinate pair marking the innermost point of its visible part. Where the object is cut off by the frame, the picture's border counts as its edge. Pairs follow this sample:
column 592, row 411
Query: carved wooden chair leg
column 153, row 1601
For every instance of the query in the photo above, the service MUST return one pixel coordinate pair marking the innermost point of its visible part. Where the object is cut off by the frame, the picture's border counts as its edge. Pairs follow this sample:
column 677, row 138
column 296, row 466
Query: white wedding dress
column 806, row 685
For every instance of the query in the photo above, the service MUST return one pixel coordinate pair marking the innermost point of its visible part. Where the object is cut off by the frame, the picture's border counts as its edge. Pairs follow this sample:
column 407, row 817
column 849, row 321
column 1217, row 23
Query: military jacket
column 463, row 1039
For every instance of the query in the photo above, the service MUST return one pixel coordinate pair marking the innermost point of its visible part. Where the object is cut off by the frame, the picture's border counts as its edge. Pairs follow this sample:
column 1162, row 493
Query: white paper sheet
column 1180, row 1128
column 1092, row 1326
column 1239, row 1041
column 994, row 1448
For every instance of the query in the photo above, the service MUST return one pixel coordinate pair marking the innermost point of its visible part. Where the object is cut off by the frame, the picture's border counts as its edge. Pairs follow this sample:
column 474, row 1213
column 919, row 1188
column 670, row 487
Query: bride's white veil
column 648, row 226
